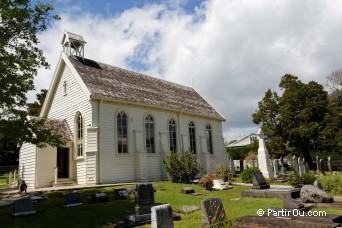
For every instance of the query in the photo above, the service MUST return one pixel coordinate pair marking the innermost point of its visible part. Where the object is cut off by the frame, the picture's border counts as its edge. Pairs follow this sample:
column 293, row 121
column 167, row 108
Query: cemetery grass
column 51, row 213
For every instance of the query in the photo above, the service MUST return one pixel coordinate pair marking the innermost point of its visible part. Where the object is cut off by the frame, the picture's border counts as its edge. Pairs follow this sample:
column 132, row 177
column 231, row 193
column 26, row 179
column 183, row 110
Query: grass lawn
column 51, row 213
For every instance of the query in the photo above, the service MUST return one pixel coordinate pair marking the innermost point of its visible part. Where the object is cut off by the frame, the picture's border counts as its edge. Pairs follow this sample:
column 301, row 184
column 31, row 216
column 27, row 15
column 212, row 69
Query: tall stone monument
column 264, row 158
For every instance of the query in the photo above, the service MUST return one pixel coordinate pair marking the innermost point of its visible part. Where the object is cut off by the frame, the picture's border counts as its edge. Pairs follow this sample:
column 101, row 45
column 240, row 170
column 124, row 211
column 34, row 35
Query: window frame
column 121, row 137
column 172, row 135
column 192, row 137
column 209, row 136
column 79, row 136
column 149, row 120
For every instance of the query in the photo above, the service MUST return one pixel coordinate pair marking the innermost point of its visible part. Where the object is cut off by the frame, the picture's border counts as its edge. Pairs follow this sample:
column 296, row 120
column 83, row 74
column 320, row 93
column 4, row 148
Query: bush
column 246, row 175
column 182, row 168
column 332, row 184
column 223, row 172
column 299, row 181
column 207, row 178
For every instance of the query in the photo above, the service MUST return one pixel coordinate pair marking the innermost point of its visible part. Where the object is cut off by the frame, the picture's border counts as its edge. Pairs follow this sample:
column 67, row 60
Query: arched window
column 79, row 134
column 122, row 136
column 209, row 139
column 192, row 136
column 149, row 134
column 172, row 135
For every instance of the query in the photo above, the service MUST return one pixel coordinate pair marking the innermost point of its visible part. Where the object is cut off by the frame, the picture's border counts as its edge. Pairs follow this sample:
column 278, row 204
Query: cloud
column 233, row 51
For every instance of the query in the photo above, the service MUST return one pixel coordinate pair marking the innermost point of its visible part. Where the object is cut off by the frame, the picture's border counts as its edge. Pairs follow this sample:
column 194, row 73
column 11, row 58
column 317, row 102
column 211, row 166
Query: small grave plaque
column 72, row 199
column 259, row 181
column 144, row 198
column 121, row 193
column 213, row 213
column 161, row 216
column 99, row 197
column 23, row 206
column 187, row 190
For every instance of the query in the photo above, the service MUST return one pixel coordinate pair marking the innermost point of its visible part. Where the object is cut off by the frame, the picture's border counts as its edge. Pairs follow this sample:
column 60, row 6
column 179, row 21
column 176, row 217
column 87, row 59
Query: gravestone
column 300, row 167
column 213, row 213
column 318, row 164
column 312, row 194
column 23, row 206
column 161, row 216
column 290, row 203
column 144, row 198
column 283, row 171
column 231, row 166
column 317, row 184
column 99, row 197
column 321, row 161
column 330, row 164
column 219, row 184
column 121, row 193
column 259, row 181
column 72, row 199
column 188, row 209
column 276, row 168
column 295, row 164
column 263, row 157
column 187, row 190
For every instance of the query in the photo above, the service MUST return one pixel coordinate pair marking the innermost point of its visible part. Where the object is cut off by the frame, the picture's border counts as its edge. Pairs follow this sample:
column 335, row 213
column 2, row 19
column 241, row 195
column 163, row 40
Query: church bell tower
column 73, row 44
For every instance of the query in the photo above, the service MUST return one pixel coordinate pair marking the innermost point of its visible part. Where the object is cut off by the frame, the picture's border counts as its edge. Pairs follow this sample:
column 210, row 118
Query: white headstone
column 161, row 216
column 295, row 164
column 300, row 167
column 264, row 158
column 276, row 168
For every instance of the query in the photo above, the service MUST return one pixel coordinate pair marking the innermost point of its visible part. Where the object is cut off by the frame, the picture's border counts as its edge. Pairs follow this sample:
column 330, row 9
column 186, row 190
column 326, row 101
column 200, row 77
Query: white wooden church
column 119, row 124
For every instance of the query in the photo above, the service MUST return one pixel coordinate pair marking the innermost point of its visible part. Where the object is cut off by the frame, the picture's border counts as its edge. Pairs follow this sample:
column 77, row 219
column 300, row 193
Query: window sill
column 152, row 155
column 80, row 158
column 123, row 155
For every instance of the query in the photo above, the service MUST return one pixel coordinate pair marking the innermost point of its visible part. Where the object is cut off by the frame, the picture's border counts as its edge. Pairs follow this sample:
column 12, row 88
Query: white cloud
column 233, row 50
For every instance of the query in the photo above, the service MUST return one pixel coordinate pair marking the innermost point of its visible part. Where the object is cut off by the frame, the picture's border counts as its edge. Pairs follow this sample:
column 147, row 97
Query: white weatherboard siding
column 65, row 106
column 138, row 165
column 27, row 164
column 46, row 162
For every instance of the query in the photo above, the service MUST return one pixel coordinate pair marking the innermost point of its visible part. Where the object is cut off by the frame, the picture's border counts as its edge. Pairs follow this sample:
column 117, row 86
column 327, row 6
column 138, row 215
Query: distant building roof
column 244, row 141
column 114, row 83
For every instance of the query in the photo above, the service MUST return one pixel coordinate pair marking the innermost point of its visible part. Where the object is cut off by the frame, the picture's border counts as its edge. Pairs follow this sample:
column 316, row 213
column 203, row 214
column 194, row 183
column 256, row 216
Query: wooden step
column 64, row 182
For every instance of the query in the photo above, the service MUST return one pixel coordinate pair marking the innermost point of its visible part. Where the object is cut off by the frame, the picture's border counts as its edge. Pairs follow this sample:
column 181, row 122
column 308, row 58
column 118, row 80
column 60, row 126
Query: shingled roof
column 117, row 84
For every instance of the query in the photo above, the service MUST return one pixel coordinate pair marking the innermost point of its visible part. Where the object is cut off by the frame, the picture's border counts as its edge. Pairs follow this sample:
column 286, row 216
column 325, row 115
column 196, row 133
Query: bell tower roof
column 73, row 44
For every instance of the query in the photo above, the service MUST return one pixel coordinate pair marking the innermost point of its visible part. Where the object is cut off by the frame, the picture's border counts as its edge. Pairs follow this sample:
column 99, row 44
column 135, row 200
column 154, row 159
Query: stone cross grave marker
column 99, row 197
column 213, row 213
column 23, row 206
column 121, row 193
column 144, row 198
column 161, row 216
column 259, row 181
column 72, row 199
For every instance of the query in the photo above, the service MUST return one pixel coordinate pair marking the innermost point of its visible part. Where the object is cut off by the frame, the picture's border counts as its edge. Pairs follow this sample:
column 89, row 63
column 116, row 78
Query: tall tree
column 20, row 59
column 34, row 108
column 297, row 118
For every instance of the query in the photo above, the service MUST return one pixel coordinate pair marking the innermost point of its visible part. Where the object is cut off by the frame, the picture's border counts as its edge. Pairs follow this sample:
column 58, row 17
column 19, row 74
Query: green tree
column 296, row 118
column 34, row 108
column 20, row 59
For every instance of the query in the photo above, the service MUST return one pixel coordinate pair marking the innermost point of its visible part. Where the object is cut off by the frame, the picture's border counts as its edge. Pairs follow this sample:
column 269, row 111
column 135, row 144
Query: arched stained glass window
column 192, row 137
column 149, row 134
column 122, row 136
column 172, row 135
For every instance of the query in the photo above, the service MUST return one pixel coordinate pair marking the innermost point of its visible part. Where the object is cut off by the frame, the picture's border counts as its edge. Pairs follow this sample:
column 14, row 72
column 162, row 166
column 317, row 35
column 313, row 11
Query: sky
column 229, row 51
